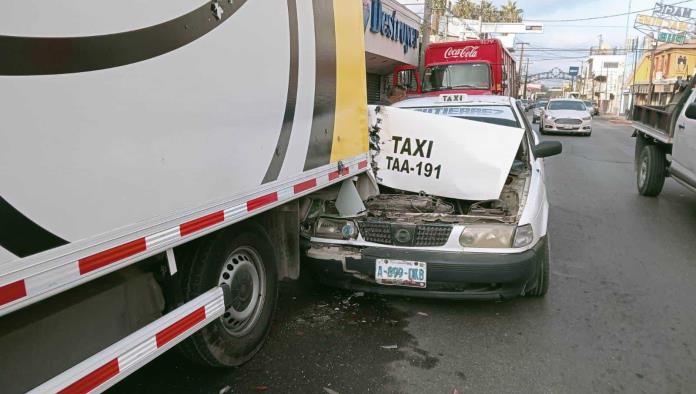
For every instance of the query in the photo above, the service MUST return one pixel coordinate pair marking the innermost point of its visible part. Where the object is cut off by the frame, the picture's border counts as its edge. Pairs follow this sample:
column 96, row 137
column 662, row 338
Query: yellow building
column 673, row 62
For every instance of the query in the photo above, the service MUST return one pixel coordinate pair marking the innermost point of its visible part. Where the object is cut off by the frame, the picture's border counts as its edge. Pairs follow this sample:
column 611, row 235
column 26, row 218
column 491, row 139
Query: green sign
column 671, row 38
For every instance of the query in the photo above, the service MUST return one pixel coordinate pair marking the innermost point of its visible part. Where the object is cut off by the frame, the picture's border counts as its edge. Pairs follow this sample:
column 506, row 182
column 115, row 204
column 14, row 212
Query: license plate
column 401, row 273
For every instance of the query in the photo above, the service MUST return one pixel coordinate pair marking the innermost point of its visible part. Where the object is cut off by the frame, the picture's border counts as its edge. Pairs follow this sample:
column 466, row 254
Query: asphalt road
column 620, row 315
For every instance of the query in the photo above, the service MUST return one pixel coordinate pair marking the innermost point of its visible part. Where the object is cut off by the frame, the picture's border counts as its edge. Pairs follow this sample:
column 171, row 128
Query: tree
column 471, row 9
column 488, row 11
column 510, row 13
column 465, row 9
column 439, row 7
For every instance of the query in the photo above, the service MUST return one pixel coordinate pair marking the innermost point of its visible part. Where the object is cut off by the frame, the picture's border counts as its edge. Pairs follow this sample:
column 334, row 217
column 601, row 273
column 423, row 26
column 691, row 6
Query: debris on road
column 224, row 390
column 389, row 347
column 423, row 314
column 329, row 391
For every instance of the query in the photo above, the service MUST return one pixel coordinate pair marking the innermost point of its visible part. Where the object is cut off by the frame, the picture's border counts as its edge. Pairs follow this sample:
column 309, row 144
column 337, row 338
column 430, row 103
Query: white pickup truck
column 666, row 142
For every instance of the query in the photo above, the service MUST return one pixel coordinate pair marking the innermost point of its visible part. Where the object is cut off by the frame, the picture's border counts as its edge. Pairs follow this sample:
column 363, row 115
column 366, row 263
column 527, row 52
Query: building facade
column 392, row 38
column 672, row 63
column 602, row 75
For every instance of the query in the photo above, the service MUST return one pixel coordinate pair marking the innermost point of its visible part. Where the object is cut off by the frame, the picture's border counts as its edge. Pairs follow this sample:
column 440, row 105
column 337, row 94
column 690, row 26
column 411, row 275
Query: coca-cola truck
column 471, row 67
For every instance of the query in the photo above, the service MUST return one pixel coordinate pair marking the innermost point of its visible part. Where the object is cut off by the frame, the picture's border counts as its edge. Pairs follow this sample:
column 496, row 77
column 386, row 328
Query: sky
column 580, row 34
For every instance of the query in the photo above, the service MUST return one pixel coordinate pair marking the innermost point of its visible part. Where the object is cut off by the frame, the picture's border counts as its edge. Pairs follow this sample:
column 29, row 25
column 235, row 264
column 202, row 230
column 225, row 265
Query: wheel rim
column 243, row 272
column 643, row 173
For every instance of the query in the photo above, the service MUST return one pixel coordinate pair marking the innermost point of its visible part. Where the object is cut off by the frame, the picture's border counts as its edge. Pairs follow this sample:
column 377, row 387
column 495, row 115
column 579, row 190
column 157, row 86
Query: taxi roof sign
column 454, row 98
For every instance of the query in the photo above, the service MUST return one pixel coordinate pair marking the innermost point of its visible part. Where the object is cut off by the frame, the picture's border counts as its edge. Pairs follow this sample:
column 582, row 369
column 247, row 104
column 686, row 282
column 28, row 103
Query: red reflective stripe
column 180, row 326
column 93, row 379
column 201, row 223
column 101, row 259
column 306, row 185
column 362, row 164
column 335, row 174
column 12, row 291
column 261, row 201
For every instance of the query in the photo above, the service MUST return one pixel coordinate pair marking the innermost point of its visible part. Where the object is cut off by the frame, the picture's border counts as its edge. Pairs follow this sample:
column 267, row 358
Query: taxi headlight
column 487, row 235
column 587, row 118
column 549, row 117
column 335, row 228
column 523, row 236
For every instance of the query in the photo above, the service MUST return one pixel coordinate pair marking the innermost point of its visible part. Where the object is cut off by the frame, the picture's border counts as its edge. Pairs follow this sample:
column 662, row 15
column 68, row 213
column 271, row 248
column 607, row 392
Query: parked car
column 566, row 116
column 405, row 242
column 524, row 104
column 592, row 107
column 537, row 110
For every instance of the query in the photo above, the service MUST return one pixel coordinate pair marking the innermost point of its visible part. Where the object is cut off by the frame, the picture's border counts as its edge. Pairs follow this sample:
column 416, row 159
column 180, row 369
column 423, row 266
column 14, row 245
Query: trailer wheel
column 243, row 258
column 652, row 165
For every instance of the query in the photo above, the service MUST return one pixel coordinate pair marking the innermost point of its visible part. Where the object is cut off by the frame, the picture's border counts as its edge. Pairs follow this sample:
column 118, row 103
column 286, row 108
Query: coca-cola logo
column 462, row 53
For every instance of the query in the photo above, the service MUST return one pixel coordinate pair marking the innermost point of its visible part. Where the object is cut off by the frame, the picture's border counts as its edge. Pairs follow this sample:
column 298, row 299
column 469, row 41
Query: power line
column 598, row 17
column 588, row 26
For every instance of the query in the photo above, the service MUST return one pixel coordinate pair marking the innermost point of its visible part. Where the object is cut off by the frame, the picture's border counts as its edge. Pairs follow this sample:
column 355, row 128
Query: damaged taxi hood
column 441, row 155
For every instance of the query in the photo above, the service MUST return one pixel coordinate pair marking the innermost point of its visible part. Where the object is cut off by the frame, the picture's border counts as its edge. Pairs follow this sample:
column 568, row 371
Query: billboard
column 662, row 22
column 668, row 23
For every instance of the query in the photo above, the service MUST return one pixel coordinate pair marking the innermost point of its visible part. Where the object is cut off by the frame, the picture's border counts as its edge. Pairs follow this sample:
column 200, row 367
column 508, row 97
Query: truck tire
column 541, row 286
column 243, row 258
column 652, row 165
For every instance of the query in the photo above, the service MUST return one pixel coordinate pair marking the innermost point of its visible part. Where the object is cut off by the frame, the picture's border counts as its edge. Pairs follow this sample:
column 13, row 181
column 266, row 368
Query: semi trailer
column 152, row 161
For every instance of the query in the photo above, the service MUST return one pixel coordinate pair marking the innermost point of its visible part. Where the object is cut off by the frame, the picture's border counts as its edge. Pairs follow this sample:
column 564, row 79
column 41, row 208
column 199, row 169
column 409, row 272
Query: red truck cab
column 470, row 67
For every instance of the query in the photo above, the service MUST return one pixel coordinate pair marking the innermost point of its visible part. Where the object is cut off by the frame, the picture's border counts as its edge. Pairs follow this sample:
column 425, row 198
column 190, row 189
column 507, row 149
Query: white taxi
column 458, row 209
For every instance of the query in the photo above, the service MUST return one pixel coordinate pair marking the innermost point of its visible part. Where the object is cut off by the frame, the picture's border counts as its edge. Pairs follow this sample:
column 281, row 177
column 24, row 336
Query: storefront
column 392, row 38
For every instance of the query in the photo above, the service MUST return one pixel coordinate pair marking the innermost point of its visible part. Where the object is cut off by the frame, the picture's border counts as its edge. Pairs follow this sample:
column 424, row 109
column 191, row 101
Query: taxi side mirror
column 547, row 149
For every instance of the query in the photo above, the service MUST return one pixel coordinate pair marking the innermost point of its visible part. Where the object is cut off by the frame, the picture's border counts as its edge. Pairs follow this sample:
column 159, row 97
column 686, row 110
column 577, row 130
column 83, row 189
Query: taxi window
column 502, row 115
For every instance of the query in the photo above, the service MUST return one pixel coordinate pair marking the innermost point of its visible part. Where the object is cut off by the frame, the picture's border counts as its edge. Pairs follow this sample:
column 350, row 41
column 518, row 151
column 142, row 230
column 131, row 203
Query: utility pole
column 606, row 86
column 425, row 41
column 481, row 19
column 522, row 44
column 526, row 76
column 635, row 62
column 653, row 44
column 623, row 73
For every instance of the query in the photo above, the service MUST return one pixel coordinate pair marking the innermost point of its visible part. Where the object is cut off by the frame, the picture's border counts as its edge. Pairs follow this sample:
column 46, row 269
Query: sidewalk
column 616, row 119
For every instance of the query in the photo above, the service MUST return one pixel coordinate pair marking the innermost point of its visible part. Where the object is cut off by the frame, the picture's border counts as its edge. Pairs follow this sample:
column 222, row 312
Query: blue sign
column 389, row 26
column 366, row 13
column 573, row 70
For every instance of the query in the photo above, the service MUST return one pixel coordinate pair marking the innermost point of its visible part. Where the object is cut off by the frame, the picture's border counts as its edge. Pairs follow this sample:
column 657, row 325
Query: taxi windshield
column 457, row 76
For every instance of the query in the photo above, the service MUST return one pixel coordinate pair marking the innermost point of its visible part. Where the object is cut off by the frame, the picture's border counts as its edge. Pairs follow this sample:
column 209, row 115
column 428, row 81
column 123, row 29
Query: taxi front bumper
column 451, row 275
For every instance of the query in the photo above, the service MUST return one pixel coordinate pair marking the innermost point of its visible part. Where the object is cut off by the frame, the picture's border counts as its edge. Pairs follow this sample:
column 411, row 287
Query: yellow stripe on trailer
column 350, row 124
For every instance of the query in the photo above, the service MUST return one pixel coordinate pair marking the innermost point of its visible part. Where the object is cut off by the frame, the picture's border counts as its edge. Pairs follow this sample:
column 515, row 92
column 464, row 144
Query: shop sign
column 670, row 10
column 388, row 25
column 671, row 38
column 661, row 22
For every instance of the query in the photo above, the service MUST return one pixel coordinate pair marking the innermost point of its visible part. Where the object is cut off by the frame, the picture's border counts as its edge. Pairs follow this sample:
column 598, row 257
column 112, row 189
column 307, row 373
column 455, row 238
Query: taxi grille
column 376, row 232
column 568, row 121
column 432, row 235
column 421, row 235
